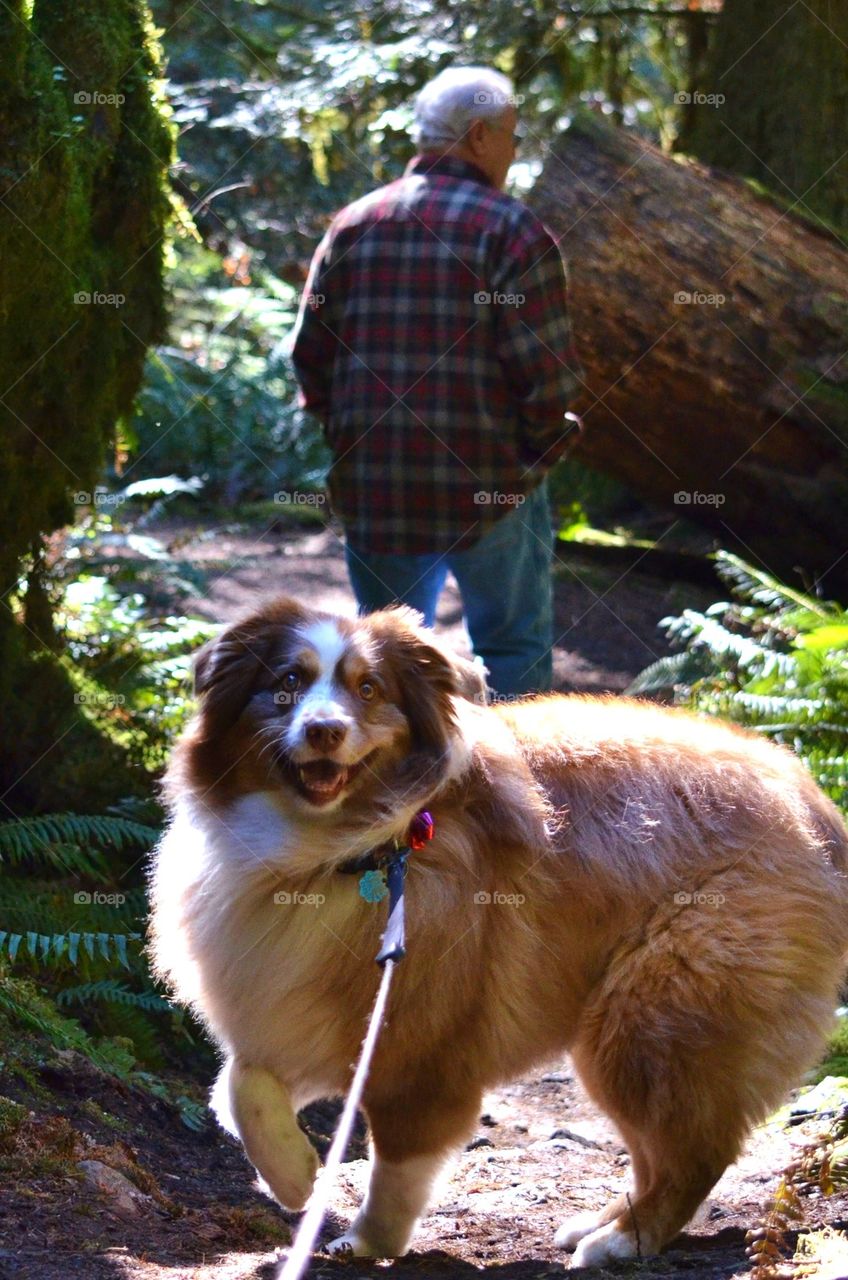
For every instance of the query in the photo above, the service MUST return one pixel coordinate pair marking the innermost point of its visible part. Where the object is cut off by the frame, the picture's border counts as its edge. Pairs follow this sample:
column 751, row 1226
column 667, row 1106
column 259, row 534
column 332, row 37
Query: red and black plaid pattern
column 433, row 342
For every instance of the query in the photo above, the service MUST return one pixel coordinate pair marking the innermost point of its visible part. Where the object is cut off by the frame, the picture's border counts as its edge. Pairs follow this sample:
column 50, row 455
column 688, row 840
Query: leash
column 391, row 865
column 307, row 1233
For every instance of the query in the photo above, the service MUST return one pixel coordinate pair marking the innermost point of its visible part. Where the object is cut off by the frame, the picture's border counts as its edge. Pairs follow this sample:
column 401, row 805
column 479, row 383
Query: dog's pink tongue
column 323, row 778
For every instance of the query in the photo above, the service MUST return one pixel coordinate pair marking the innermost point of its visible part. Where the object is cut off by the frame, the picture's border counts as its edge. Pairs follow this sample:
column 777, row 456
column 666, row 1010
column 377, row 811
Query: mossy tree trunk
column 84, row 152
column 782, row 70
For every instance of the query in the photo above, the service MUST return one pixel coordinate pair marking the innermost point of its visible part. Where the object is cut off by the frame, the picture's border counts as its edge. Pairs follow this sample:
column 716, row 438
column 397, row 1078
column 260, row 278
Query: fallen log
column 713, row 327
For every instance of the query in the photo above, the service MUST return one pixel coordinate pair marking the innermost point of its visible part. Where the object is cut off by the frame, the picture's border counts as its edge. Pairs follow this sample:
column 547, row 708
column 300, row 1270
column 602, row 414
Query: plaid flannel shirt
column 433, row 343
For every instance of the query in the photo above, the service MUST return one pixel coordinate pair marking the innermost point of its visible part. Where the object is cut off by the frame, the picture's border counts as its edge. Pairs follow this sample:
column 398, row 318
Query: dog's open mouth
column 321, row 781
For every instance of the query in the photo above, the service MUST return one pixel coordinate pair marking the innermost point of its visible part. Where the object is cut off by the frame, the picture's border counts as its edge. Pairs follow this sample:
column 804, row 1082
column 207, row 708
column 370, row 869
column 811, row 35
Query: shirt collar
column 449, row 166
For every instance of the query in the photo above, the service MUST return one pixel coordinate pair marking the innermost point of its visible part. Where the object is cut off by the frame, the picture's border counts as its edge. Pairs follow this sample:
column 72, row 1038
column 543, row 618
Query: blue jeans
column 505, row 583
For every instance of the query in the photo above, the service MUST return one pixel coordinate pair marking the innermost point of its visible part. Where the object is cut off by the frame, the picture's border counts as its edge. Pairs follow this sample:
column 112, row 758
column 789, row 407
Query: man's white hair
column 446, row 108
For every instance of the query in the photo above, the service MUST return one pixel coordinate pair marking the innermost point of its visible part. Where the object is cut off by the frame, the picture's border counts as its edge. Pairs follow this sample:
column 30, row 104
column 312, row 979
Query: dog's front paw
column 607, row 1244
column 294, row 1178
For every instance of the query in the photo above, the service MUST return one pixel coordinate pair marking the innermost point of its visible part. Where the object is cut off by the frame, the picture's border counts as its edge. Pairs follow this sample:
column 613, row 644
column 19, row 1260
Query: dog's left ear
column 429, row 675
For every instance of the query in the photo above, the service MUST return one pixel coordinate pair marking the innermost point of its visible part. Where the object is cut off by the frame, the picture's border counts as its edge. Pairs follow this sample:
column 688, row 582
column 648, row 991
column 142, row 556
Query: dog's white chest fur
column 247, row 945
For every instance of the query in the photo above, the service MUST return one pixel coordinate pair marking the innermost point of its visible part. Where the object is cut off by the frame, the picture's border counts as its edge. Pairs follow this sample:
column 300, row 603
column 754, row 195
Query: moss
column 99, row 1116
column 788, row 140
column 12, row 1116
column 40, row 1145
column 85, row 146
column 835, row 1061
column 56, row 756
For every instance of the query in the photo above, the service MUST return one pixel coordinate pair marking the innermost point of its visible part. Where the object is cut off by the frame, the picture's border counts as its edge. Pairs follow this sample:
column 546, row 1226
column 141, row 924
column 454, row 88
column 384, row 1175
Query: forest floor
column 184, row 1205
column 186, row 1208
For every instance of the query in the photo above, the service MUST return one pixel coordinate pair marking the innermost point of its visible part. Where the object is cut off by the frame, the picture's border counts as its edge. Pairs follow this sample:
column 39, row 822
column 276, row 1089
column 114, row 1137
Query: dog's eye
column 367, row 690
column 290, row 682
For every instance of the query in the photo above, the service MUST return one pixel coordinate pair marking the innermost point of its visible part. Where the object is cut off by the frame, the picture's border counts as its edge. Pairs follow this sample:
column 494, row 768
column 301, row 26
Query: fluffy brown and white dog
column 663, row 896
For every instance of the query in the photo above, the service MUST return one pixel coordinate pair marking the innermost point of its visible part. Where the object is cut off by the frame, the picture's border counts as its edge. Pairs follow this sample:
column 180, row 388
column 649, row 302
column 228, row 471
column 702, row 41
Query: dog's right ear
column 226, row 670
column 229, row 668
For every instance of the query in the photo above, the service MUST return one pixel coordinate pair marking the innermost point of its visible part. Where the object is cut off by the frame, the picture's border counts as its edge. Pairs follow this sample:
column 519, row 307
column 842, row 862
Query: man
column 433, row 343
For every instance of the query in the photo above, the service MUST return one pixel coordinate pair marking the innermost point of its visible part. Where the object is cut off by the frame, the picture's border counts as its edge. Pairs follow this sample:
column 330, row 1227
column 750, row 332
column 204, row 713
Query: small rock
column 479, row 1142
column 488, row 1120
column 521, row 1128
column 557, row 1077
column 575, row 1137
column 125, row 1197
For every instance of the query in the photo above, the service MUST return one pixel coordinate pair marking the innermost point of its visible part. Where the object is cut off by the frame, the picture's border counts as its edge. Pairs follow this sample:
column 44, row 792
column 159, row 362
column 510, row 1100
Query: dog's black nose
column 326, row 735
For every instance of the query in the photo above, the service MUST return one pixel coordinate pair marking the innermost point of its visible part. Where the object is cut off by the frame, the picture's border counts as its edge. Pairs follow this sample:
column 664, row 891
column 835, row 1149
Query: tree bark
column 736, row 398
column 780, row 72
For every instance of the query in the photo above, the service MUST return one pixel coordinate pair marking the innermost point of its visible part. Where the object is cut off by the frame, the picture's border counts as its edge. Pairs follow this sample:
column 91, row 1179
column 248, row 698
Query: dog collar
column 421, row 830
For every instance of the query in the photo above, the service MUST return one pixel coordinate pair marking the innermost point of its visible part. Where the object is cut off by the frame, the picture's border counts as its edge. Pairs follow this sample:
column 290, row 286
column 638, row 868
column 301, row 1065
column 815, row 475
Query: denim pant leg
column 381, row 578
column 505, row 581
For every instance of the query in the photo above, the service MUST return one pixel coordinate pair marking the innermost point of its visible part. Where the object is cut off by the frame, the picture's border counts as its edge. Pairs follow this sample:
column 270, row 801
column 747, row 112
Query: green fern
column 772, row 659
column 43, row 907
column 23, row 839
column 113, row 990
column 68, row 946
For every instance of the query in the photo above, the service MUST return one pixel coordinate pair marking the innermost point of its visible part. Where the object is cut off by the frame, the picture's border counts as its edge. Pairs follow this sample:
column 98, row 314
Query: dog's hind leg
column 583, row 1224
column 257, row 1108
column 683, row 1128
column 412, row 1138
column 666, row 1049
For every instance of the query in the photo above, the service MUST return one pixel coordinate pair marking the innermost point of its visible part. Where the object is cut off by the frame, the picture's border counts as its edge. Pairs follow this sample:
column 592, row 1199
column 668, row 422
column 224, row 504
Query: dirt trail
column 544, row 1153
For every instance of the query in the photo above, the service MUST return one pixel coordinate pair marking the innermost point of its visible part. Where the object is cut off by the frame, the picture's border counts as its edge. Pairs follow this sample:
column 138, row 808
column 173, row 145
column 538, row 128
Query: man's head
column 469, row 112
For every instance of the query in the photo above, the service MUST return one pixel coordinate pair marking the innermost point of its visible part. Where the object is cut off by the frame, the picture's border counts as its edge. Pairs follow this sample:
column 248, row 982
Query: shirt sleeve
column 313, row 342
column 535, row 344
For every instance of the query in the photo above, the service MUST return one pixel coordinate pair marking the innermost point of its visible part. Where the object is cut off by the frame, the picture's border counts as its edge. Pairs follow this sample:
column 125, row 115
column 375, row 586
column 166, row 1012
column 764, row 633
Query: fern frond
column 113, row 990
column 63, row 840
column 680, row 668
column 761, row 708
column 50, row 908
column 53, row 948
column 751, row 583
column 701, row 631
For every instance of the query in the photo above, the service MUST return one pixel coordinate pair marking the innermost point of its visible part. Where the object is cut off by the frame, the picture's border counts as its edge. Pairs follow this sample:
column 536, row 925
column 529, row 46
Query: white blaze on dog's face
column 340, row 713
column 324, row 709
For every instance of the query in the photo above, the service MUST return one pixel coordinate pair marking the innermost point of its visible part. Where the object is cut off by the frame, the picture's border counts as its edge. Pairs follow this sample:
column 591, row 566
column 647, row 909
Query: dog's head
column 329, row 711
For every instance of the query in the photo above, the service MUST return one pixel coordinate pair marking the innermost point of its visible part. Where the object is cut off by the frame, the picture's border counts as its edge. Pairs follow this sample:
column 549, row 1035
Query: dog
column 664, row 896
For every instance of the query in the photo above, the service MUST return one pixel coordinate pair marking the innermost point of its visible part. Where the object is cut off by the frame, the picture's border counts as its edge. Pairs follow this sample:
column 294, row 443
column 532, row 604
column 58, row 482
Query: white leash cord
column 310, row 1224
